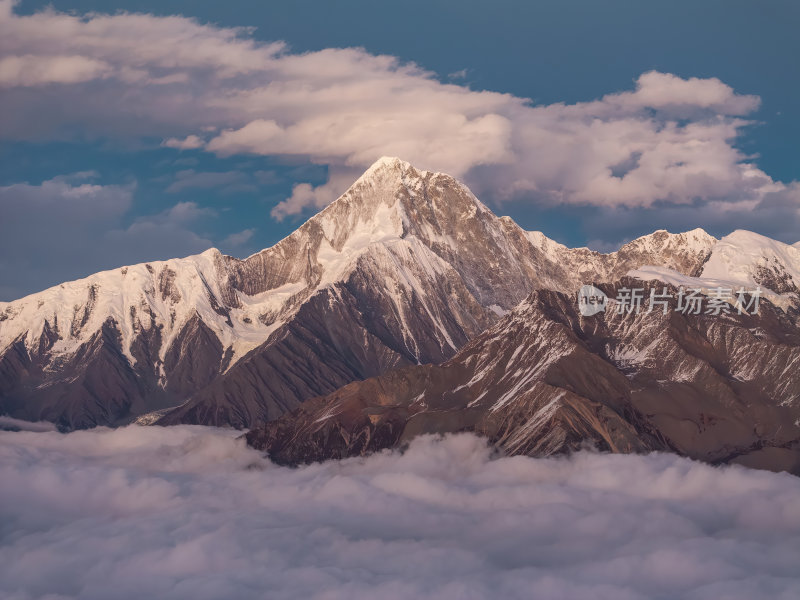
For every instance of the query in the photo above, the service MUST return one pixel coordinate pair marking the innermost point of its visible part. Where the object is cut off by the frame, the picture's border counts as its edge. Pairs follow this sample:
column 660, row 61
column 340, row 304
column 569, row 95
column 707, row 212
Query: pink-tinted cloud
column 218, row 89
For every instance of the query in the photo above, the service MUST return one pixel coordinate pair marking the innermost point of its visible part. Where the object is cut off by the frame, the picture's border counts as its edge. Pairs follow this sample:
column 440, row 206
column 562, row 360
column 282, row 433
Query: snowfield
column 191, row 512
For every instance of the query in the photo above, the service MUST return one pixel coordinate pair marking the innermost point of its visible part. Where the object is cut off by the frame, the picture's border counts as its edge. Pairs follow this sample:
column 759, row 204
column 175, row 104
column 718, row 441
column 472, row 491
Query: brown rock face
column 96, row 386
column 547, row 380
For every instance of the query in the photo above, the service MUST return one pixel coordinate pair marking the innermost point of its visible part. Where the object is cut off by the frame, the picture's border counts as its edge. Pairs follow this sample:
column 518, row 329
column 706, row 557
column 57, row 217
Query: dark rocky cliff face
column 94, row 386
column 546, row 380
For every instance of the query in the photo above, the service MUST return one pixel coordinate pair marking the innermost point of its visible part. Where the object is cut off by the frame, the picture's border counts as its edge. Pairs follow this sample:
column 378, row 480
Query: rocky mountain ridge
column 545, row 379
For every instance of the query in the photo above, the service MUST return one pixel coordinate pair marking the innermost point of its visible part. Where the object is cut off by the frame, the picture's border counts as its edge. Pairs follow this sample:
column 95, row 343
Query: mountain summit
column 403, row 269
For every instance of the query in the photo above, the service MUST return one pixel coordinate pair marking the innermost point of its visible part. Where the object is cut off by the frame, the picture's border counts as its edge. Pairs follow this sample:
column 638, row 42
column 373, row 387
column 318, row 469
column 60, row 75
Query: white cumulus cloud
column 669, row 141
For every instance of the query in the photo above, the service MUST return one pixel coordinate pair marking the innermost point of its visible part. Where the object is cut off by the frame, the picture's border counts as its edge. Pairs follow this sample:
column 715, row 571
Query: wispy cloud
column 190, row 512
column 236, row 240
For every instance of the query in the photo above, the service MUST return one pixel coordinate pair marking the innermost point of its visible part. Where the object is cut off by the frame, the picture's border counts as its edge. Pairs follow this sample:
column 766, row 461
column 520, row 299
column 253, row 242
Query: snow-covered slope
column 684, row 253
column 742, row 260
column 414, row 252
column 407, row 266
column 164, row 295
column 754, row 259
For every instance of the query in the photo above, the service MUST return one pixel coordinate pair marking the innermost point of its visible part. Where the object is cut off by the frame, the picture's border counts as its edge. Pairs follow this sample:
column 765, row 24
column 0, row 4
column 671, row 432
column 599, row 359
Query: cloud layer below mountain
column 190, row 512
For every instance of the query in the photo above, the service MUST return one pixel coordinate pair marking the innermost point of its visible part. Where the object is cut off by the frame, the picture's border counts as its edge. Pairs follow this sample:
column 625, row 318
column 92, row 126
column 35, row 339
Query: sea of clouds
column 191, row 512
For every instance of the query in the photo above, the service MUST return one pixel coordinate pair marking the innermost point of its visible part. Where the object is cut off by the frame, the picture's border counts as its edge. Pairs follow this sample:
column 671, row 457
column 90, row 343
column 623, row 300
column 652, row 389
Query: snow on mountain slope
column 684, row 253
column 755, row 260
column 408, row 265
column 745, row 261
column 420, row 246
column 705, row 284
column 163, row 295
column 243, row 302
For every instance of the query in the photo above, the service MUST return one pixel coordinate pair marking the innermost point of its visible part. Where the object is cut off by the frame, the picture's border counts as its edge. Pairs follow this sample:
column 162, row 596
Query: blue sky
column 113, row 143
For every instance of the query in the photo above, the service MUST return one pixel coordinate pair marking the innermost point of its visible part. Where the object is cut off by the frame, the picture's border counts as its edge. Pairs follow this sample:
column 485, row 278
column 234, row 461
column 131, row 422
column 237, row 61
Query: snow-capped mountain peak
column 754, row 259
column 696, row 240
column 393, row 198
column 403, row 268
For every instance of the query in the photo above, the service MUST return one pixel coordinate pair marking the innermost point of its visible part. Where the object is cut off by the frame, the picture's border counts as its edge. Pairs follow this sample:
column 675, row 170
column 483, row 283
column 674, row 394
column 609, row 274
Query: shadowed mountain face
column 719, row 388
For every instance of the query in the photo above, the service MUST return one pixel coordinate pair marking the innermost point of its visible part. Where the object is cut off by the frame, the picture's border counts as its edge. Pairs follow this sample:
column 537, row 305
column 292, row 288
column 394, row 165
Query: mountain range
column 547, row 380
column 390, row 313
